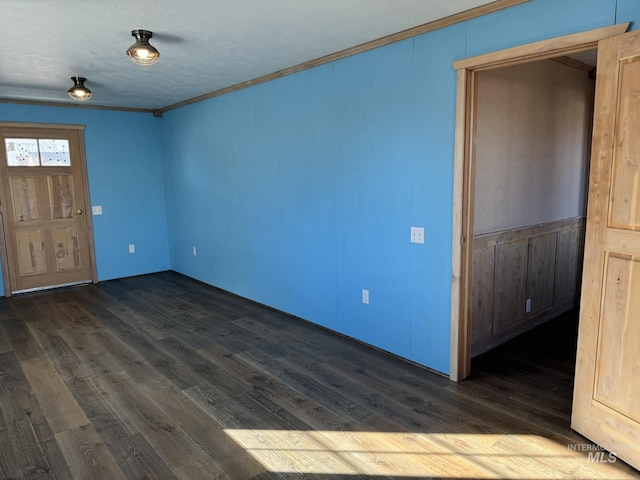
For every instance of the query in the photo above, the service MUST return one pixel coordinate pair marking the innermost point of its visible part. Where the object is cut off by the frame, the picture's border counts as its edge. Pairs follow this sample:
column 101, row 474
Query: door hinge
column 462, row 240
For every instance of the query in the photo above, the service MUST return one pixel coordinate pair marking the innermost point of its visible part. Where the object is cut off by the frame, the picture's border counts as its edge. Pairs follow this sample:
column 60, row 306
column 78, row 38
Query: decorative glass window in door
column 32, row 152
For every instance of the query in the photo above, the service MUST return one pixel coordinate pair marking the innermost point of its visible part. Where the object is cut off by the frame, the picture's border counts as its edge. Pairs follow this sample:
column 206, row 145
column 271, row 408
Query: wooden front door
column 47, row 229
column 606, row 403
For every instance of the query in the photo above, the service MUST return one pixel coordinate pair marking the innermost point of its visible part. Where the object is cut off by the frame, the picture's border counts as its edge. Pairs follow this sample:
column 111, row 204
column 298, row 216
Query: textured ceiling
column 205, row 45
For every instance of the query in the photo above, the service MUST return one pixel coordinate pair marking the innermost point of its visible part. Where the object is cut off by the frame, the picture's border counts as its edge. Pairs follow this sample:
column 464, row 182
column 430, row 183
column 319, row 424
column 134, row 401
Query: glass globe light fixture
column 79, row 92
column 142, row 52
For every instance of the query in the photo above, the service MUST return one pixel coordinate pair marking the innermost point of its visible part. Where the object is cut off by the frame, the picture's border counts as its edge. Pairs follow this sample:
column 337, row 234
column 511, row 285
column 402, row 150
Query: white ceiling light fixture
column 142, row 52
column 79, row 92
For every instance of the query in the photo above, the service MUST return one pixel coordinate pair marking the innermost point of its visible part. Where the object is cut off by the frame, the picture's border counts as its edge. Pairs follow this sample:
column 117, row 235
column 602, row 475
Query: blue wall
column 124, row 160
column 299, row 193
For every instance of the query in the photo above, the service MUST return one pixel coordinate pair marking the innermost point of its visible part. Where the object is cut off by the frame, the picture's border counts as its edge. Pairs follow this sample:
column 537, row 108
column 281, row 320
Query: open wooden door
column 606, row 402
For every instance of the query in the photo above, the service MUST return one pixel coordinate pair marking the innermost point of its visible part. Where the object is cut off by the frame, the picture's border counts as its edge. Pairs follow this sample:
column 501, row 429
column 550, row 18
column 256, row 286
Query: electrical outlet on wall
column 365, row 296
column 417, row 234
column 132, row 248
column 527, row 306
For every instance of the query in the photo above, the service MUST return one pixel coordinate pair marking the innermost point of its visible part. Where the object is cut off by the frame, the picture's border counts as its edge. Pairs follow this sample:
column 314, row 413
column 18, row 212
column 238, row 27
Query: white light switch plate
column 96, row 209
column 365, row 296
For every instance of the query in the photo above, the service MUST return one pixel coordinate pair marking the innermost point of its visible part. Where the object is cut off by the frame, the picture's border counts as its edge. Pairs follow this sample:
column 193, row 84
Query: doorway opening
column 468, row 71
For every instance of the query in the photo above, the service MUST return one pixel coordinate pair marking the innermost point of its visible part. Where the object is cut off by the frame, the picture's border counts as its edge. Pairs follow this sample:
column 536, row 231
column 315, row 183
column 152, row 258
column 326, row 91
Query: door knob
column 79, row 211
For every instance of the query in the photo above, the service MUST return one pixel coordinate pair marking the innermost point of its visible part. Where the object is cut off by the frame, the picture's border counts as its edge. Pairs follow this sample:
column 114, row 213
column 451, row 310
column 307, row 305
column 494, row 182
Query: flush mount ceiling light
column 79, row 91
column 142, row 52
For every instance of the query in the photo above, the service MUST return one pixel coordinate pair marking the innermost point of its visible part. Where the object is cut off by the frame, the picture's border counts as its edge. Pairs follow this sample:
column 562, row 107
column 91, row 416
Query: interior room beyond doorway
column 532, row 148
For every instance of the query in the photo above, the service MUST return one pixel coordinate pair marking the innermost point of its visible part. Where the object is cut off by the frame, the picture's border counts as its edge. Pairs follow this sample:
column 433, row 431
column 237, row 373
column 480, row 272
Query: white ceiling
column 205, row 45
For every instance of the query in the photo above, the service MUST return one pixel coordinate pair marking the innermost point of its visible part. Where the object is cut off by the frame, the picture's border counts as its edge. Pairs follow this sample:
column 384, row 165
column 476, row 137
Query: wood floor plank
column 135, row 456
column 23, row 307
column 98, row 405
column 264, row 388
column 184, row 355
column 197, row 332
column 17, row 400
column 5, row 344
column 47, row 335
column 87, row 455
column 104, row 347
column 330, row 398
column 174, row 304
column 208, row 434
column 136, row 312
column 128, row 446
column 223, row 409
column 379, row 453
column 8, row 458
column 430, row 411
column 455, row 459
column 161, row 431
column 26, row 450
column 58, row 404
column 22, row 341
column 57, row 461
column 161, row 376
column 296, row 452
column 30, row 458
column 146, row 347
column 63, row 311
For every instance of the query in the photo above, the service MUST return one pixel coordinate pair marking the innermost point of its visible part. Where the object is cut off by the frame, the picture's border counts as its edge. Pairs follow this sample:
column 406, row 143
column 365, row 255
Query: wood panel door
column 606, row 403
column 47, row 229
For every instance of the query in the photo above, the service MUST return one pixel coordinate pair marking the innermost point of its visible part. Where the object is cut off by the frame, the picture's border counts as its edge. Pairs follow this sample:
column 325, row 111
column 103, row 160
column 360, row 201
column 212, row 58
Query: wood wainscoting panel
column 540, row 263
column 511, row 283
column 483, row 293
column 541, row 272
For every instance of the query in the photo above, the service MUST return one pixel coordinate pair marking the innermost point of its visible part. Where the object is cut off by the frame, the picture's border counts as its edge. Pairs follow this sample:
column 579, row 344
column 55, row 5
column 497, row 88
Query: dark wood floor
column 163, row 377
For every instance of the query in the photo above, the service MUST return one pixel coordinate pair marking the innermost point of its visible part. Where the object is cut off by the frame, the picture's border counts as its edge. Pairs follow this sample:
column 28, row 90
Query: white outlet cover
column 417, row 234
column 96, row 209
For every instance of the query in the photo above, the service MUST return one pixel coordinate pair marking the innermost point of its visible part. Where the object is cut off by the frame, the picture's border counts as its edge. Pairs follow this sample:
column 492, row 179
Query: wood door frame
column 464, row 170
column 85, row 187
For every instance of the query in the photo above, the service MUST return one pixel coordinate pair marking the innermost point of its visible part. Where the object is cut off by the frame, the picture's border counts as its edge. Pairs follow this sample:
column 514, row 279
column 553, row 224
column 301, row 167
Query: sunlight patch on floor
column 417, row 454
